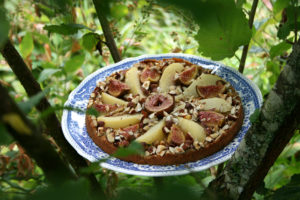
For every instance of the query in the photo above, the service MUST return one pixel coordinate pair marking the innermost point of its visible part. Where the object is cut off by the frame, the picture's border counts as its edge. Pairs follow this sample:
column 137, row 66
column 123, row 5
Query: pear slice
column 120, row 121
column 167, row 77
column 155, row 133
column 109, row 99
column 193, row 128
column 133, row 81
column 217, row 104
column 202, row 80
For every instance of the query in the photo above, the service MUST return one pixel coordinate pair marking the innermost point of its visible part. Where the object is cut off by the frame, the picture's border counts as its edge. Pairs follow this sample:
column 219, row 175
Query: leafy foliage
column 26, row 46
column 30, row 103
column 90, row 40
column 134, row 148
column 4, row 24
column 290, row 191
column 74, row 63
column 5, row 138
column 65, row 29
column 223, row 27
column 291, row 20
column 279, row 49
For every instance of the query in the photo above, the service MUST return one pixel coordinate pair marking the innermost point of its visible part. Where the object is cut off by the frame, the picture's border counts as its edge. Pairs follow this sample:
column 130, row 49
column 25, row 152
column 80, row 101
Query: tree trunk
column 278, row 119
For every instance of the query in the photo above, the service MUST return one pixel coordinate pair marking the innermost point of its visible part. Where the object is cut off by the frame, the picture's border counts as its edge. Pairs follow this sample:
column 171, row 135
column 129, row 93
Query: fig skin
column 176, row 135
column 116, row 88
column 105, row 108
column 188, row 75
column 159, row 103
column 211, row 118
column 150, row 74
column 132, row 128
column 210, row 90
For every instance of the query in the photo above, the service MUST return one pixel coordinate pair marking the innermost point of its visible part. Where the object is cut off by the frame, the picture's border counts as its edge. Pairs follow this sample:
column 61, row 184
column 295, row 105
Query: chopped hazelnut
column 160, row 148
column 110, row 137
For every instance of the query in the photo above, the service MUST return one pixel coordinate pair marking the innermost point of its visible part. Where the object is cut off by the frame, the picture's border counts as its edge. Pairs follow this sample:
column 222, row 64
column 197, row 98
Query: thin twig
column 14, row 185
column 245, row 49
column 296, row 28
column 236, row 56
column 111, row 44
column 289, row 42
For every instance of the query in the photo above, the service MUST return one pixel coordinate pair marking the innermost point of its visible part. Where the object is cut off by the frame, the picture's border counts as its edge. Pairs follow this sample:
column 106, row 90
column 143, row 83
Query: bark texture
column 51, row 122
column 267, row 137
column 106, row 30
column 32, row 140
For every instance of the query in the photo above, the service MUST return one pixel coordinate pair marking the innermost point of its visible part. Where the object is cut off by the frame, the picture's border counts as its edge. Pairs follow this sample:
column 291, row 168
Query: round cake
column 180, row 112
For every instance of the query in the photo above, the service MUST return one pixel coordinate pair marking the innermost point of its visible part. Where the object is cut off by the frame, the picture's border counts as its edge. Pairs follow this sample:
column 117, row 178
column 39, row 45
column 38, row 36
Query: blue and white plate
column 73, row 123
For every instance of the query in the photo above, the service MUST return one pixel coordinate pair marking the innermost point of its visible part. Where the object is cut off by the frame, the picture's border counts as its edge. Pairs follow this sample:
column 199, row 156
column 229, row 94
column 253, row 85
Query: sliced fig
column 132, row 128
column 105, row 108
column 211, row 118
column 210, row 91
column 159, row 102
column 117, row 88
column 203, row 80
column 150, row 74
column 176, row 135
column 188, row 75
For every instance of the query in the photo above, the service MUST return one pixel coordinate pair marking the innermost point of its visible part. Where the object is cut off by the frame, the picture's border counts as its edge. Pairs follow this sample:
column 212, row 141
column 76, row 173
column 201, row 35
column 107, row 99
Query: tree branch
column 246, row 47
column 267, row 137
column 107, row 31
column 52, row 123
column 32, row 140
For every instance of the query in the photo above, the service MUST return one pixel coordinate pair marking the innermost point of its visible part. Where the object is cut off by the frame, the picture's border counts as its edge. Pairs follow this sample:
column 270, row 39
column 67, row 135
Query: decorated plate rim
column 84, row 154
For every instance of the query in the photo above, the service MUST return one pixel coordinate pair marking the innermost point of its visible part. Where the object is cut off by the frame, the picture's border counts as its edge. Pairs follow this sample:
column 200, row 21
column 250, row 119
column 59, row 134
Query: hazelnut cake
column 180, row 112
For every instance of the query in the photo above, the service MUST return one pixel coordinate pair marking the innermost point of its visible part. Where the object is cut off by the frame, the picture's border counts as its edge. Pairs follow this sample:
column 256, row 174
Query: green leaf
column 4, row 24
column 53, row 7
column 279, row 5
column 223, row 26
column 26, row 46
column 133, row 149
column 254, row 116
column 65, row 29
column 289, row 25
column 47, row 65
column 92, row 111
column 93, row 167
column 275, row 176
column 239, row 3
column 46, row 10
column 74, row 63
column 47, row 73
column 291, row 191
column 5, row 138
column 26, row 106
column 89, row 41
column 279, row 49
column 118, row 11
column 54, row 108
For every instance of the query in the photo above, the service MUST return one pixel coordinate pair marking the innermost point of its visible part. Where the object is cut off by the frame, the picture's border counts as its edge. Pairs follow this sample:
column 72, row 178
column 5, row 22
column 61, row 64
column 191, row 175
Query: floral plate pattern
column 73, row 122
